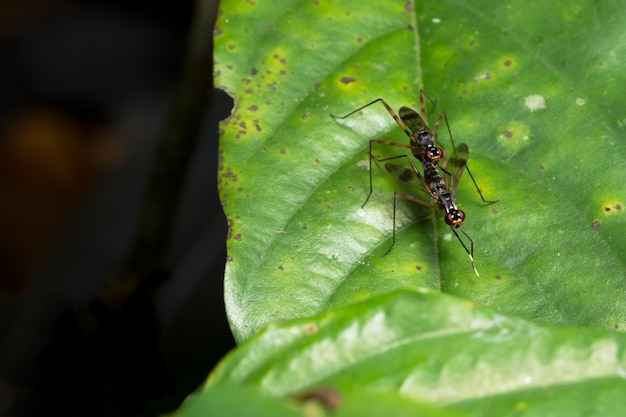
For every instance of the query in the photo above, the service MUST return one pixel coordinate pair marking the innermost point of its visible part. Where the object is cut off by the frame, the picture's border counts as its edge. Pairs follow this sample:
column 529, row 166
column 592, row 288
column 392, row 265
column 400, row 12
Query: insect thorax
column 424, row 139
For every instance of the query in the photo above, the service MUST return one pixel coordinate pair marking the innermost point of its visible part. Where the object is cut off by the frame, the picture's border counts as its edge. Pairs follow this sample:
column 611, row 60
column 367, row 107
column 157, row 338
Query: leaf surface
column 534, row 90
column 433, row 348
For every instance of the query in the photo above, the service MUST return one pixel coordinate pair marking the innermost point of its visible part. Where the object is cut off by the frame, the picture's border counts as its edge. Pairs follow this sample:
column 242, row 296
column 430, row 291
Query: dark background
column 86, row 94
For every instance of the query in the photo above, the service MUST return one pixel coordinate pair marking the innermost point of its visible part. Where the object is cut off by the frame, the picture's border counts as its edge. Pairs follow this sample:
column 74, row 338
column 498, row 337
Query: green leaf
column 227, row 401
column 429, row 347
column 242, row 401
column 533, row 88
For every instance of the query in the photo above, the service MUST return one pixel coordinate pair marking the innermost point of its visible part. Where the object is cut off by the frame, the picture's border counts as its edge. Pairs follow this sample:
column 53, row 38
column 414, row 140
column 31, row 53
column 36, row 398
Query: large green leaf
column 429, row 347
column 534, row 89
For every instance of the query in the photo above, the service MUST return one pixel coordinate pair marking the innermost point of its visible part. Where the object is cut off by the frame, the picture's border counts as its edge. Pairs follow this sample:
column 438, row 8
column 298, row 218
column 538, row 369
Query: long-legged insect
column 442, row 191
column 422, row 139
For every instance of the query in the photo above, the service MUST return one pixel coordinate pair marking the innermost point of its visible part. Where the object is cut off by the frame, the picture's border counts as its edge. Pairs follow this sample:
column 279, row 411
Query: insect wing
column 408, row 176
column 412, row 119
column 456, row 165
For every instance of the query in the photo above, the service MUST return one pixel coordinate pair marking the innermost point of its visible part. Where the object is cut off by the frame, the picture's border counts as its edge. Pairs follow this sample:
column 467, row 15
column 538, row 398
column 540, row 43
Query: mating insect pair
column 423, row 146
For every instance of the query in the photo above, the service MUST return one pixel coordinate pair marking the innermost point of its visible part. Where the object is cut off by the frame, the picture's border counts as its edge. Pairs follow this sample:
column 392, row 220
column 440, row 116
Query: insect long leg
column 423, row 113
column 389, row 109
column 410, row 198
column 470, row 252
column 478, row 189
column 406, row 175
column 423, row 93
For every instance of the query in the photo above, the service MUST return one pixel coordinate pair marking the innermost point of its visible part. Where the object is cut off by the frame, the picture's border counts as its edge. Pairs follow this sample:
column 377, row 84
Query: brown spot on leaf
column 507, row 63
column 230, row 174
column 347, row 80
column 281, row 268
column 310, row 329
column 238, row 237
column 229, row 230
column 328, row 397
column 595, row 225
column 508, row 134
column 254, row 107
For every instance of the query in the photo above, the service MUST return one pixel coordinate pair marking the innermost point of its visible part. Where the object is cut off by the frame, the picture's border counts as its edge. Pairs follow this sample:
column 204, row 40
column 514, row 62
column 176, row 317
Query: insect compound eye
column 433, row 155
column 455, row 218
